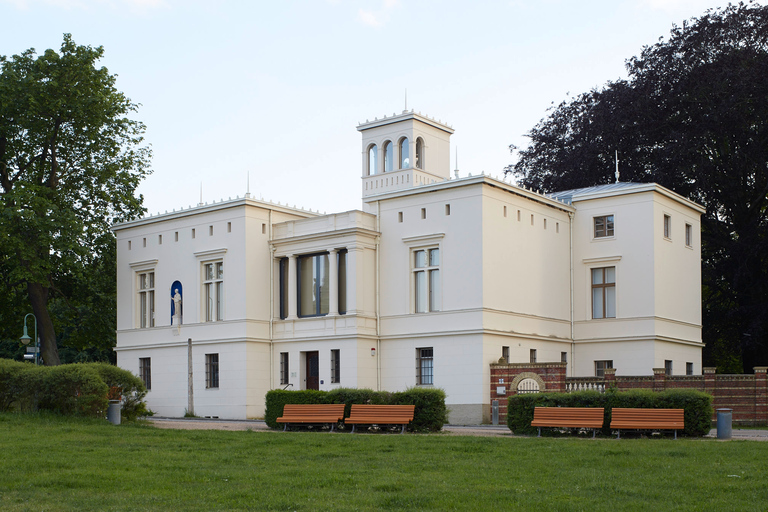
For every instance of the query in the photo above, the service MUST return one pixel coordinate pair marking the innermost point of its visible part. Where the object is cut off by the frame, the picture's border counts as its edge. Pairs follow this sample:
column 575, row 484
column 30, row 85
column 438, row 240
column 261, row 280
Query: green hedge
column 430, row 413
column 697, row 406
column 70, row 389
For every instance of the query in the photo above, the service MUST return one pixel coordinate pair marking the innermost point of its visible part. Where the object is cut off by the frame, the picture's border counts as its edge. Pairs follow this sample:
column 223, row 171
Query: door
column 313, row 370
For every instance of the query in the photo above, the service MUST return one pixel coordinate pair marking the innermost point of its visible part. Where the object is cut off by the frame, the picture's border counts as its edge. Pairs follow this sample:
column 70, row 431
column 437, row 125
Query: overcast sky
column 276, row 89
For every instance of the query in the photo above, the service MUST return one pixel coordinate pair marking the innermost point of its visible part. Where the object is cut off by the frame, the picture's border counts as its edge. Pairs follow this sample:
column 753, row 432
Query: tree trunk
column 38, row 297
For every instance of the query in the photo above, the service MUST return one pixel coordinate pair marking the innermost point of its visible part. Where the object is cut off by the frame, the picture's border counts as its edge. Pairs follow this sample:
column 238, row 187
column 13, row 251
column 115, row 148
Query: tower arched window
column 405, row 153
column 419, row 153
column 389, row 156
column 373, row 160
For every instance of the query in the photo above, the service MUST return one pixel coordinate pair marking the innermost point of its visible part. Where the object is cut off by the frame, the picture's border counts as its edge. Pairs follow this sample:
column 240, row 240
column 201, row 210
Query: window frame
column 419, row 158
column 426, row 280
column 213, row 290
column 689, row 368
column 335, row 366
column 668, row 367
column 425, row 366
column 688, row 235
column 284, row 368
column 373, row 163
column 532, row 355
column 604, row 287
column 607, row 228
column 317, row 287
column 212, row 368
column 601, row 366
column 145, row 371
column 389, row 156
column 403, row 153
column 145, row 296
column 667, row 227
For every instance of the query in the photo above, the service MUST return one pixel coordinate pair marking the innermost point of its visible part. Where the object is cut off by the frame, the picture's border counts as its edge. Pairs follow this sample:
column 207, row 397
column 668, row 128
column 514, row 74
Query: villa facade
column 434, row 279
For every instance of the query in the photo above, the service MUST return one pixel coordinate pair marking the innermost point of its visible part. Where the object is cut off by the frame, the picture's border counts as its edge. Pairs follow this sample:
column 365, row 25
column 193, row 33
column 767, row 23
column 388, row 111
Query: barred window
column 145, row 371
column 283, row 368
column 424, row 366
column 335, row 366
column 211, row 370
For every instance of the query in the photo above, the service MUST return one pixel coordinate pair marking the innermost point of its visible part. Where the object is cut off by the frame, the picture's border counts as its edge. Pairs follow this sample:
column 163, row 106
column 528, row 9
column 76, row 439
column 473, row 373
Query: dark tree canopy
column 692, row 116
column 70, row 162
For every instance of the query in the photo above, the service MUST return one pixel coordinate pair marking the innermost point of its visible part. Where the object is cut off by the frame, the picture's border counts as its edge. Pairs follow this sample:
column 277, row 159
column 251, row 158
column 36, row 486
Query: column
column 356, row 280
column 609, row 377
column 292, row 288
column 761, row 394
column 333, row 283
column 659, row 379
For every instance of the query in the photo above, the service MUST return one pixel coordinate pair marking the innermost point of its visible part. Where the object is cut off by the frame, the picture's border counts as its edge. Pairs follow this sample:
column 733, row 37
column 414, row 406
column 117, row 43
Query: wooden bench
column 311, row 414
column 647, row 419
column 362, row 414
column 568, row 417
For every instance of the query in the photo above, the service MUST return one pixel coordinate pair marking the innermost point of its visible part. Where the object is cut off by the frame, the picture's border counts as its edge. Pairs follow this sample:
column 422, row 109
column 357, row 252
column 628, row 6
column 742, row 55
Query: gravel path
column 458, row 430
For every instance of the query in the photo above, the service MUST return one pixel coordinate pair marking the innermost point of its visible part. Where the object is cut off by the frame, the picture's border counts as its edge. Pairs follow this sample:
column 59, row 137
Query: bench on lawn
column 311, row 414
column 362, row 414
column 568, row 417
column 647, row 419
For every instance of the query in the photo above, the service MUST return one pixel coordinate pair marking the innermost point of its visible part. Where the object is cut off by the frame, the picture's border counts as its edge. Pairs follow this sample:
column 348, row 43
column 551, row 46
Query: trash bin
column 113, row 412
column 724, row 419
column 495, row 412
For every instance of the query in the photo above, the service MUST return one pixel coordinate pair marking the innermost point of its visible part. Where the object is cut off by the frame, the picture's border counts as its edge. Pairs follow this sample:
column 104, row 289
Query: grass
column 55, row 463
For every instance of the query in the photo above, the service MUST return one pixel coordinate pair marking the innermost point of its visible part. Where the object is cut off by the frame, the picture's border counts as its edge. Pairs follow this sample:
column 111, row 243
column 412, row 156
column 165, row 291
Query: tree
column 692, row 116
column 70, row 162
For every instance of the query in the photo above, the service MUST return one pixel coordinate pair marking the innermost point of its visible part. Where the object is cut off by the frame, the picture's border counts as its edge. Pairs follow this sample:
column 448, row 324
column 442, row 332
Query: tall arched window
column 388, row 156
column 405, row 153
column 419, row 153
column 373, row 160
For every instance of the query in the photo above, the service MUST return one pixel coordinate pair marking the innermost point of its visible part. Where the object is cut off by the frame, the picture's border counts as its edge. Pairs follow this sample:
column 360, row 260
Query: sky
column 266, row 96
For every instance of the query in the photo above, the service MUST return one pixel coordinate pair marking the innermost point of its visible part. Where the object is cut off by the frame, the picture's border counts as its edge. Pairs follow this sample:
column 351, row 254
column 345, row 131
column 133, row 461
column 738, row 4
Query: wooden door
column 313, row 370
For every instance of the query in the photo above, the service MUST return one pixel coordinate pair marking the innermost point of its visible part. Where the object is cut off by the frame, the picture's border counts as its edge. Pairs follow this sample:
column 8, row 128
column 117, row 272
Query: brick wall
column 747, row 395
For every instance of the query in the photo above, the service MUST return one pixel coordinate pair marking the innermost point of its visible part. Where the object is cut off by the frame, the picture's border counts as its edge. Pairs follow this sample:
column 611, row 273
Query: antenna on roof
column 406, row 101
column 248, row 185
column 456, row 171
column 617, row 166
column 201, row 195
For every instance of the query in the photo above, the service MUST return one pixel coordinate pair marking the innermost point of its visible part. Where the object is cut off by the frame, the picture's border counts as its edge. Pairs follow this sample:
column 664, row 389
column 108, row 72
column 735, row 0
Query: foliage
column 73, row 389
column 693, row 117
column 429, row 415
column 697, row 406
column 137, row 467
column 70, row 162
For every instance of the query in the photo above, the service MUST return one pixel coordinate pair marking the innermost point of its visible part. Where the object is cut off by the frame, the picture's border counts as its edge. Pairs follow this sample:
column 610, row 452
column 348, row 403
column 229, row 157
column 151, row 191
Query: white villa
column 433, row 280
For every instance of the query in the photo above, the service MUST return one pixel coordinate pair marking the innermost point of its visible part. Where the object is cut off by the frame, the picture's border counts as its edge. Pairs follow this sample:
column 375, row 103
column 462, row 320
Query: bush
column 72, row 389
column 697, row 406
column 430, row 412
column 130, row 386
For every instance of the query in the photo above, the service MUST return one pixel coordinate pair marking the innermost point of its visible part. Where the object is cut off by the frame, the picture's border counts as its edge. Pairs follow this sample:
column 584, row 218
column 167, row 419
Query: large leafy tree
column 692, row 116
column 70, row 161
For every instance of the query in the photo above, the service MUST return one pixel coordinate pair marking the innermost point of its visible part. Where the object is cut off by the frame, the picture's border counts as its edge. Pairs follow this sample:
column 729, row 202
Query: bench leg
column 403, row 430
column 331, row 427
column 539, row 432
column 594, row 433
column 675, row 434
column 353, row 428
column 285, row 427
column 618, row 434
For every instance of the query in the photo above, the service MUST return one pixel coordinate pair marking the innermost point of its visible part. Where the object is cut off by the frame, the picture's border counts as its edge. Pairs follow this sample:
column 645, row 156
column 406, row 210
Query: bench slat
column 584, row 417
column 364, row 414
column 312, row 413
column 647, row 419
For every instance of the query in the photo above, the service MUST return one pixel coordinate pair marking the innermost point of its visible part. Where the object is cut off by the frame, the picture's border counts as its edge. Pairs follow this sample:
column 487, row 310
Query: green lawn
column 54, row 463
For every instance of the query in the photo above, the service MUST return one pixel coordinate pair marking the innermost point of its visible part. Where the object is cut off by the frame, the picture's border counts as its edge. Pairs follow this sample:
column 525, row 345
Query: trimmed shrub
column 430, row 412
column 697, row 406
column 72, row 389
column 130, row 387
column 15, row 378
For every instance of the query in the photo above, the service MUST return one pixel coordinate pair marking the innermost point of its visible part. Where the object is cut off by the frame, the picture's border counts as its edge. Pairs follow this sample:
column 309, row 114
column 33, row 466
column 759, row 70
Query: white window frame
column 204, row 258
column 425, row 243
column 688, row 235
column 213, row 291
column 601, row 366
column 146, row 303
column 609, row 219
column 427, row 297
column 667, row 226
column 335, row 366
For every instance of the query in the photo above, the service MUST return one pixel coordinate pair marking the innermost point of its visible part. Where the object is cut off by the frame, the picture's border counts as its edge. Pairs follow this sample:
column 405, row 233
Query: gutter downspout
column 378, row 298
column 570, row 250
column 271, row 304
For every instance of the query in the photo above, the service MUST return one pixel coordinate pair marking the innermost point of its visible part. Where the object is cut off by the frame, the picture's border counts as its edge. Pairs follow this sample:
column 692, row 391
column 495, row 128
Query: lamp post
column 25, row 339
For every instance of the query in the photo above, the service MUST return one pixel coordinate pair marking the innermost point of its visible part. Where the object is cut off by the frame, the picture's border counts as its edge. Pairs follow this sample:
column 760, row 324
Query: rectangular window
column 423, row 213
column 505, row 211
column 557, row 227
column 545, row 223
column 563, row 357
column 604, row 292
column 129, row 245
column 447, row 209
column 176, row 236
column 689, row 368
column 210, row 230
column 531, row 219
column 668, row 367
column 399, row 216
column 518, row 215
column 229, row 227
column 603, row 226
column 426, row 279
column 313, row 285
column 193, row 232
column 667, row 227
column 145, row 371
column 533, row 355
column 213, row 291
column 283, row 368
column 263, row 229
column 146, row 286
column 159, row 239
column 211, row 370
column 505, row 354
column 688, row 235
column 424, row 366
column 144, row 242
column 600, row 367
column 335, row 366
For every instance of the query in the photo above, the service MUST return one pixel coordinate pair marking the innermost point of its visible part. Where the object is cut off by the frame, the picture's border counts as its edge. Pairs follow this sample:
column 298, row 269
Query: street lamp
column 25, row 339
